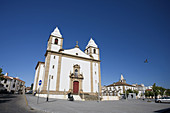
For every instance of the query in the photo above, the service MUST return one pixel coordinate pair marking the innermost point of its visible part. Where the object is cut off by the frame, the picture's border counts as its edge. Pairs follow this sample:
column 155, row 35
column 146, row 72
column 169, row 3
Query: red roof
column 8, row 77
column 120, row 84
column 148, row 89
column 19, row 80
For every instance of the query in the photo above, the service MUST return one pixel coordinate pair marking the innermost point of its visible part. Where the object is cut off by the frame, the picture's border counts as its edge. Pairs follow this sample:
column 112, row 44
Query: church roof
column 56, row 32
column 76, row 52
column 91, row 43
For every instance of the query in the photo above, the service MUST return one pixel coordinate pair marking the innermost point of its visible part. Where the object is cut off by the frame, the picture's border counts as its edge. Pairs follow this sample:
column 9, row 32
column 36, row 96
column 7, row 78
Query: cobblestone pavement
column 119, row 106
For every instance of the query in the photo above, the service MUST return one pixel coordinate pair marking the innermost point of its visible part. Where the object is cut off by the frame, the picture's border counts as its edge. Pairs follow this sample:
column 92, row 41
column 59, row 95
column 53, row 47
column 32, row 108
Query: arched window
column 94, row 51
column 76, row 72
column 56, row 41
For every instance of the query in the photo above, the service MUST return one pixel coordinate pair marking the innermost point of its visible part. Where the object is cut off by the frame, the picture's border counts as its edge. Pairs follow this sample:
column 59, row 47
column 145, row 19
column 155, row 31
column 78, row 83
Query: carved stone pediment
column 80, row 76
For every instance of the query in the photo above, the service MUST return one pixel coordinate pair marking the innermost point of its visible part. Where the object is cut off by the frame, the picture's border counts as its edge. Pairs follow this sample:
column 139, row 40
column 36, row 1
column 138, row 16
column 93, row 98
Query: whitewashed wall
column 95, row 77
column 53, row 72
column 41, row 75
column 67, row 66
column 35, row 78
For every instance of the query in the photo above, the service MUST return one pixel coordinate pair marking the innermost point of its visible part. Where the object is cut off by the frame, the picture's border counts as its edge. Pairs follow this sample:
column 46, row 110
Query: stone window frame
column 56, row 41
column 94, row 51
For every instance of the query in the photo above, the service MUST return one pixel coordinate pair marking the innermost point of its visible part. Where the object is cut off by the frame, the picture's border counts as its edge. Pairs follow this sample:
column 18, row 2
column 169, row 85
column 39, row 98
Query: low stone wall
column 104, row 98
column 76, row 97
column 53, row 96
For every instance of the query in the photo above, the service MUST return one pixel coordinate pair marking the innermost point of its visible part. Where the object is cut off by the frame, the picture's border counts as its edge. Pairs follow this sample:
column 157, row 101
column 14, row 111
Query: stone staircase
column 77, row 97
column 88, row 97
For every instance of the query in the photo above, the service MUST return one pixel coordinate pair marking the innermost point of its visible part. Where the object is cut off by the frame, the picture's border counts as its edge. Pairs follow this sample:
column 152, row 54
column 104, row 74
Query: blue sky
column 126, row 32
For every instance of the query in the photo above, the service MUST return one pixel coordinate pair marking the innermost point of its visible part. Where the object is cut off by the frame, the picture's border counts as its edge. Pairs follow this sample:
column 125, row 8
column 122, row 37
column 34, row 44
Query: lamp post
column 98, row 93
column 48, row 87
column 125, row 94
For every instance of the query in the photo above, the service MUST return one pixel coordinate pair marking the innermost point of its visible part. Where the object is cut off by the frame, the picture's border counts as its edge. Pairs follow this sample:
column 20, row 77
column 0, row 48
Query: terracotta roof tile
column 120, row 84
column 8, row 77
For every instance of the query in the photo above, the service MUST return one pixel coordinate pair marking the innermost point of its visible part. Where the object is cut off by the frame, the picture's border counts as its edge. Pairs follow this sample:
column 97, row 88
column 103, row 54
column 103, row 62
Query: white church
column 68, row 70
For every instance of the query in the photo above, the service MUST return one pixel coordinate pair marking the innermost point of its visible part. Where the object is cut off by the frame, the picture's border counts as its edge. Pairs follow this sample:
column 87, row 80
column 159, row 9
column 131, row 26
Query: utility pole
column 48, row 87
column 38, row 94
column 98, row 94
column 40, row 82
column 125, row 93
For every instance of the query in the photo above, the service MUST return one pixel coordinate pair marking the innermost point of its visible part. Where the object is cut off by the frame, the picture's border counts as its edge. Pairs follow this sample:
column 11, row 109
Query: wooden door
column 75, row 87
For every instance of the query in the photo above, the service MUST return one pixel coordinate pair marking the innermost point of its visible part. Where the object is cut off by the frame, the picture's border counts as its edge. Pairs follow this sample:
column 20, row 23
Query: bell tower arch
column 92, row 50
column 55, row 41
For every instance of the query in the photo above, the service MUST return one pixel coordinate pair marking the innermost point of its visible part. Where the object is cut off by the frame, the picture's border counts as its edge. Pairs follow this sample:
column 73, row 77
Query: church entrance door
column 75, row 87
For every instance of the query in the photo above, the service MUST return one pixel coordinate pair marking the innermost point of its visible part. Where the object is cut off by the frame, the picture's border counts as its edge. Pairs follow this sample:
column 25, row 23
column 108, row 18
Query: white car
column 163, row 99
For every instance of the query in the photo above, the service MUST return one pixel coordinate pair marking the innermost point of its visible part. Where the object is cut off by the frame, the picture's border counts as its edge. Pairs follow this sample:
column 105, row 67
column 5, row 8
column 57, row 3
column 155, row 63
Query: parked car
column 163, row 99
column 29, row 92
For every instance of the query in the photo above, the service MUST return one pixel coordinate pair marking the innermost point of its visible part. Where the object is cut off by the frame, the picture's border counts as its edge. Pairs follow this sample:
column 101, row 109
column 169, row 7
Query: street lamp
column 98, row 93
column 48, row 87
column 125, row 94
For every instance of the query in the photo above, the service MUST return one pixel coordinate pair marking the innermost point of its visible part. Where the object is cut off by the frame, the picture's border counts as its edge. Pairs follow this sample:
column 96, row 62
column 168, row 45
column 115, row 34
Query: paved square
column 120, row 106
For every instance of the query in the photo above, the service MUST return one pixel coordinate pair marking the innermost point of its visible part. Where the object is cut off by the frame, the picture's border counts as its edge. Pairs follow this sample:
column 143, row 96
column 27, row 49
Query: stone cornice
column 73, row 56
column 38, row 64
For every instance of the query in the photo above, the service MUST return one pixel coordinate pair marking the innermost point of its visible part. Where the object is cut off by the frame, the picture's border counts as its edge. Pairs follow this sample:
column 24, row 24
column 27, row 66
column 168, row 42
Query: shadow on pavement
column 52, row 100
column 3, row 101
column 7, row 96
column 167, row 110
column 44, row 101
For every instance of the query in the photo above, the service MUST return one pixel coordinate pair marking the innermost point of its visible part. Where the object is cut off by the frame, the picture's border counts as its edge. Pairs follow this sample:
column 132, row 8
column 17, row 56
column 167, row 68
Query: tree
column 167, row 92
column 155, row 90
column 136, row 92
column 161, row 91
column 146, row 93
column 151, row 94
column 128, row 91
column 1, row 75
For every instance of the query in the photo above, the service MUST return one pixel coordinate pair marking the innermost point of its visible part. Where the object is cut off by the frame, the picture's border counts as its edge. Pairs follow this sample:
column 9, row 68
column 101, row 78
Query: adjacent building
column 68, row 70
column 119, row 88
column 12, row 84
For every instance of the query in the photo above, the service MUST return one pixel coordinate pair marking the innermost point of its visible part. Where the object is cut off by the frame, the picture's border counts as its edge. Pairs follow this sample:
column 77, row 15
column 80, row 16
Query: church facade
column 68, row 70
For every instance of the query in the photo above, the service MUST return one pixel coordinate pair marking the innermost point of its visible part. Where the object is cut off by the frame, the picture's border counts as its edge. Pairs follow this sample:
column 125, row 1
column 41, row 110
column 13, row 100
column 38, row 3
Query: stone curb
column 27, row 103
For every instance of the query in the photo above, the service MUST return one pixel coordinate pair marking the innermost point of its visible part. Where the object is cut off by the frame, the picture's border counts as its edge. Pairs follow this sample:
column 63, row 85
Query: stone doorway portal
column 75, row 87
column 76, row 79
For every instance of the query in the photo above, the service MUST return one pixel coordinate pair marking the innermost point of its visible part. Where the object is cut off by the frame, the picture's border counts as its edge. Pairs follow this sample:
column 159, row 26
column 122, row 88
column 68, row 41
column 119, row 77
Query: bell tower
column 92, row 50
column 55, row 41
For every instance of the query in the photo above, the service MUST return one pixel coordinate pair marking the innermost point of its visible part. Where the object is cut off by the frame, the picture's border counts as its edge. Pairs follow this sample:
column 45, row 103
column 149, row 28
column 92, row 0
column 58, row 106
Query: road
column 10, row 103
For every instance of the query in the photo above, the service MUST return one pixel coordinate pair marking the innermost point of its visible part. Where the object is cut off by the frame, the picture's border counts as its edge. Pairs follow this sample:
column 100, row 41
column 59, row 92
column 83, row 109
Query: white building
column 68, row 70
column 141, row 90
column 119, row 88
column 12, row 84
